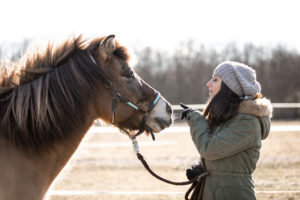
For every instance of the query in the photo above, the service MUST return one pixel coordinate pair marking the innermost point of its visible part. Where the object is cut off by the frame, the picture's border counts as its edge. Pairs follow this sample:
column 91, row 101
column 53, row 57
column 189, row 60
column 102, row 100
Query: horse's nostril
column 170, row 122
column 169, row 109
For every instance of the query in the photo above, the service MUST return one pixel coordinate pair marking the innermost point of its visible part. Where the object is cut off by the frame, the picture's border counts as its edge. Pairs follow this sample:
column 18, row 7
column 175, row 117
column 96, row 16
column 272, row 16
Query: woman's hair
column 222, row 107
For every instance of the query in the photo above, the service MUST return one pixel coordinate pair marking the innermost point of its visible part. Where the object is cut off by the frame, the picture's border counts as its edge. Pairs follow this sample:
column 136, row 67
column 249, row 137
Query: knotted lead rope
column 145, row 164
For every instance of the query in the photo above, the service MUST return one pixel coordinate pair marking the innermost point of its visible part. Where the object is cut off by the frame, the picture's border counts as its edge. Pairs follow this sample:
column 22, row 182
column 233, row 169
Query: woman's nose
column 208, row 84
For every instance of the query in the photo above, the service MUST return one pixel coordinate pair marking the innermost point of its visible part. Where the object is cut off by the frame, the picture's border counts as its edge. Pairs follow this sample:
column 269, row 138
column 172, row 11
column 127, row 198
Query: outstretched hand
column 186, row 110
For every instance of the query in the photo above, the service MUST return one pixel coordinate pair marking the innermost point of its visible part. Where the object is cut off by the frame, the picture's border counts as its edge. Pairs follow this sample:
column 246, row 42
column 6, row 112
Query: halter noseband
column 117, row 97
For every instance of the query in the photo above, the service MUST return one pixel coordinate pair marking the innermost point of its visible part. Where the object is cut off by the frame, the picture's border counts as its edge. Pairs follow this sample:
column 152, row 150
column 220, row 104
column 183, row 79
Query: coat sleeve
column 237, row 135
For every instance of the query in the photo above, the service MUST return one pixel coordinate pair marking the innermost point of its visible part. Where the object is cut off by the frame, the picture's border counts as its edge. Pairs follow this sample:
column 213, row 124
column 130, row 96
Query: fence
column 123, row 193
column 275, row 105
column 281, row 110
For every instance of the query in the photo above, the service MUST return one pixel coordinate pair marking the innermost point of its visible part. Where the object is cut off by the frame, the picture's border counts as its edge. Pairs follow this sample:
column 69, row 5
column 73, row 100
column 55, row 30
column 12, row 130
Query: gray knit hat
column 240, row 78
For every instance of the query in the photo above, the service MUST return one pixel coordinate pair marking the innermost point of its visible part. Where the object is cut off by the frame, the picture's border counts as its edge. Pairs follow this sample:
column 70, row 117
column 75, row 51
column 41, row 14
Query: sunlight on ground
column 106, row 165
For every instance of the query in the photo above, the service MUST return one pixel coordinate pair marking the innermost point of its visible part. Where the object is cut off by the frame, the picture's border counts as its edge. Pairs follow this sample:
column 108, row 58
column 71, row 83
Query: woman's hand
column 186, row 110
column 195, row 170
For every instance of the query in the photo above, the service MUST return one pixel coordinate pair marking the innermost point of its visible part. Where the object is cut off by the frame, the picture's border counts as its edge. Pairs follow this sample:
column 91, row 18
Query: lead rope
column 197, row 187
column 197, row 182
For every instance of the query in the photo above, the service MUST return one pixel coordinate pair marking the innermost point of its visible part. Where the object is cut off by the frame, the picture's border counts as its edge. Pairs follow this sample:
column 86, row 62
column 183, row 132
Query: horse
column 50, row 98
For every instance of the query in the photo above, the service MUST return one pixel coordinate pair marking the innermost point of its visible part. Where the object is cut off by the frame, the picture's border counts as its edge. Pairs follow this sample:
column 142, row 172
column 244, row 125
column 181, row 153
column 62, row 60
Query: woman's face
column 214, row 86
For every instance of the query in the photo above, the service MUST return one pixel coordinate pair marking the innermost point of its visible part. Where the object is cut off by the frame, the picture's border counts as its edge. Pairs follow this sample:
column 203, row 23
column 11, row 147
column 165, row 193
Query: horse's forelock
column 122, row 53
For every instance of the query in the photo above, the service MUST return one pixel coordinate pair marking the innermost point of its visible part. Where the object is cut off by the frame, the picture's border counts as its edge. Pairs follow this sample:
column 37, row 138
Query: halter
column 117, row 97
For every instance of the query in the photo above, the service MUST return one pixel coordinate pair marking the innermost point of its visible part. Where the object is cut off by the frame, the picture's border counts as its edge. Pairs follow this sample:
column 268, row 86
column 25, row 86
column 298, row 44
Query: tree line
column 181, row 75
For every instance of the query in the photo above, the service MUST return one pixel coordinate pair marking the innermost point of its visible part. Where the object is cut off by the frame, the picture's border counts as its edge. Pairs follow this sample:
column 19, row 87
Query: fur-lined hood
column 261, row 108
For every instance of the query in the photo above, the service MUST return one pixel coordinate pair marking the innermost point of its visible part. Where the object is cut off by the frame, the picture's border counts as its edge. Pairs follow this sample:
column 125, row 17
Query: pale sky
column 162, row 24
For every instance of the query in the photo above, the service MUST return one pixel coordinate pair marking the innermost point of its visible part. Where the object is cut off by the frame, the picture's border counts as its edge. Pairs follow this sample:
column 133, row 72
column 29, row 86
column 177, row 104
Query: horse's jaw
column 160, row 117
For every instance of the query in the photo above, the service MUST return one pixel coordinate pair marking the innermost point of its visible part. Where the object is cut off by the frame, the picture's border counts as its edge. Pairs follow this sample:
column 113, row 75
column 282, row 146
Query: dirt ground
column 106, row 163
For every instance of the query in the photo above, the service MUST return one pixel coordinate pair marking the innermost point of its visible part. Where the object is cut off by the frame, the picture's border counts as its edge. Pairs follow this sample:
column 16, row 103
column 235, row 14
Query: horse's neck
column 60, row 155
column 56, row 158
column 19, row 179
column 29, row 175
column 51, row 164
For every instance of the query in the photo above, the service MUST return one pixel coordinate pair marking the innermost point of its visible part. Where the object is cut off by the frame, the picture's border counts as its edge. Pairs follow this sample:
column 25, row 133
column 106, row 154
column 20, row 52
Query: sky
column 162, row 24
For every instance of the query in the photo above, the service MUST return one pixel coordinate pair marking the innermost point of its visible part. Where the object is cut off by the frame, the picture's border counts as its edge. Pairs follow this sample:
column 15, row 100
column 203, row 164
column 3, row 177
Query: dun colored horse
column 50, row 99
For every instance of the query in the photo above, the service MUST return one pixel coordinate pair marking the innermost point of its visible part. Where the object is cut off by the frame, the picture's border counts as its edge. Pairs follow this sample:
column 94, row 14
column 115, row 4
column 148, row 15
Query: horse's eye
column 130, row 76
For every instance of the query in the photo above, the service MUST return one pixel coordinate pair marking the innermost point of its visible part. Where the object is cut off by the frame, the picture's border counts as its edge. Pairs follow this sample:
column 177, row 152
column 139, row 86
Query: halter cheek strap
column 153, row 104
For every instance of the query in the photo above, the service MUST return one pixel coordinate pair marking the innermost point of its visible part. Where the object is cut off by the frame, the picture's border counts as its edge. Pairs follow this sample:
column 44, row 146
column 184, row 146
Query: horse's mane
column 44, row 97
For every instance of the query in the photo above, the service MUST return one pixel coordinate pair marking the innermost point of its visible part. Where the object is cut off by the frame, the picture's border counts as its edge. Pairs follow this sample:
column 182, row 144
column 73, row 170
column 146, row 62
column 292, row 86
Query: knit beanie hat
column 240, row 78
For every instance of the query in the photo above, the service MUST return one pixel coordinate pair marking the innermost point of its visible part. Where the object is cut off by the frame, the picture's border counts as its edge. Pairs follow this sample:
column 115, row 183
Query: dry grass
column 116, row 168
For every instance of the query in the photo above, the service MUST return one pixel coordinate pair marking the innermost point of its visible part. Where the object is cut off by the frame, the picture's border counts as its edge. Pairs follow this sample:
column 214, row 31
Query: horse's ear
column 106, row 47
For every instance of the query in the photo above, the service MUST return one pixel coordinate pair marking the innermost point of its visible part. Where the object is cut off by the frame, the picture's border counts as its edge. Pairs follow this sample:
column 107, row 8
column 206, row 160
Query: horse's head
column 128, row 101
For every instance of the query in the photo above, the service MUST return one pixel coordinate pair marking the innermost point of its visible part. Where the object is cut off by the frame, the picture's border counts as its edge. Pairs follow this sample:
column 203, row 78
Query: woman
column 229, row 132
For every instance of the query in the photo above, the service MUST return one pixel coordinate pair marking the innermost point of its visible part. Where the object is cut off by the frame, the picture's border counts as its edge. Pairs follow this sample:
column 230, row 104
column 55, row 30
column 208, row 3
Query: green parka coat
column 232, row 149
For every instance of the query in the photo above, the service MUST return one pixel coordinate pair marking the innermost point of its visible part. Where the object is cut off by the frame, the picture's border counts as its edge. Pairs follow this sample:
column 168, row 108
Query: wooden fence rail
column 275, row 105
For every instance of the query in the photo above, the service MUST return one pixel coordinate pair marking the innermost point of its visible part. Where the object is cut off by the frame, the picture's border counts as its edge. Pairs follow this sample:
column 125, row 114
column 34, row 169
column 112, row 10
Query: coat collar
column 258, row 107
